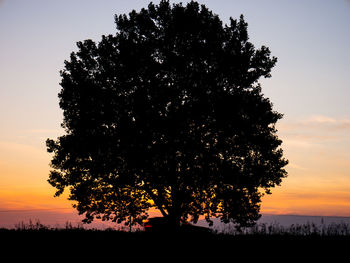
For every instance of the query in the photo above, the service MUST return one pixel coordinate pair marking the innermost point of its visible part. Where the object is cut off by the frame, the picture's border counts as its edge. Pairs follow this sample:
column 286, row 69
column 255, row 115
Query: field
column 259, row 240
column 79, row 245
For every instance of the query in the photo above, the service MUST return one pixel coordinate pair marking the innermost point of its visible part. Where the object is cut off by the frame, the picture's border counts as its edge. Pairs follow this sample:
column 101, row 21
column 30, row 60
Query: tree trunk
column 174, row 223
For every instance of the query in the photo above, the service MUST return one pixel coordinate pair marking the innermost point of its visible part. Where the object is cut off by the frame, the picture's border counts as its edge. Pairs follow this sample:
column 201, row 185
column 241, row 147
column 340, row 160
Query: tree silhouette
column 168, row 113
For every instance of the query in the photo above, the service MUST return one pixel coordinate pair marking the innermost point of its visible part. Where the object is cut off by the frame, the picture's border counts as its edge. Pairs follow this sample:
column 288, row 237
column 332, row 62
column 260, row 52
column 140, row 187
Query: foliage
column 168, row 113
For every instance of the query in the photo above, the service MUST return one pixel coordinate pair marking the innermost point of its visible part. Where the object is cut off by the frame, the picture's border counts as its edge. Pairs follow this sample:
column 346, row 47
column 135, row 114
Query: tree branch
column 159, row 204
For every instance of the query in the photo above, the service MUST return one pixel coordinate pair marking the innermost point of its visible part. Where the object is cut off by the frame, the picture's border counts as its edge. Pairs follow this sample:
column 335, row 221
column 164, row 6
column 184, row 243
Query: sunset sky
column 310, row 85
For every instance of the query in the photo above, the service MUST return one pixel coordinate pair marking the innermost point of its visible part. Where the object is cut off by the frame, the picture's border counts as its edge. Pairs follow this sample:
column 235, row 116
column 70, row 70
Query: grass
column 259, row 231
column 299, row 230
column 262, row 229
column 257, row 241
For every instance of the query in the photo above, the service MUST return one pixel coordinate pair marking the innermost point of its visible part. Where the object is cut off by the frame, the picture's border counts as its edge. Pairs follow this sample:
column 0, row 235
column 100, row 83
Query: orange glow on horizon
column 318, row 182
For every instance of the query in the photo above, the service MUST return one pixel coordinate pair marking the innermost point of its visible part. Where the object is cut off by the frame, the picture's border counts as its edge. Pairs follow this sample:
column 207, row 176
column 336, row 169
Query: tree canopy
column 168, row 113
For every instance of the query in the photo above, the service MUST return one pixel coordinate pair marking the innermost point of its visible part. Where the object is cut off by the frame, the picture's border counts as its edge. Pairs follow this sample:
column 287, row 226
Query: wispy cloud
column 328, row 122
column 41, row 131
column 320, row 119
column 316, row 121
column 298, row 167
column 315, row 128
column 316, row 143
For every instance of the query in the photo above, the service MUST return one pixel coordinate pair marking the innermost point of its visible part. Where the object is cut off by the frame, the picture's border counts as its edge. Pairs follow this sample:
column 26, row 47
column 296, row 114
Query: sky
column 310, row 85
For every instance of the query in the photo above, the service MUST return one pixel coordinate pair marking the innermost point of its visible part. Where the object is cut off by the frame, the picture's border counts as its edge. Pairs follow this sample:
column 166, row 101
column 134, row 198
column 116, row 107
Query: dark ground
column 100, row 244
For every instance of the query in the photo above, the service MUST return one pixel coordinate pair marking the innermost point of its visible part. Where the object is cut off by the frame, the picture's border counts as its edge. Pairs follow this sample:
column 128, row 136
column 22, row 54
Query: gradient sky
column 310, row 85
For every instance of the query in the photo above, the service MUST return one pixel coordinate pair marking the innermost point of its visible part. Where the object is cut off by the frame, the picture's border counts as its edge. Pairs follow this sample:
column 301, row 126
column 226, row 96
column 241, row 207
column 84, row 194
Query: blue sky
column 310, row 85
column 310, row 38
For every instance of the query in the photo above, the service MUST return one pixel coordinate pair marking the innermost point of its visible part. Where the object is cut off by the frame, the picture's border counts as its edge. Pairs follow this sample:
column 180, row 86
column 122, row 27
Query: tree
column 168, row 113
